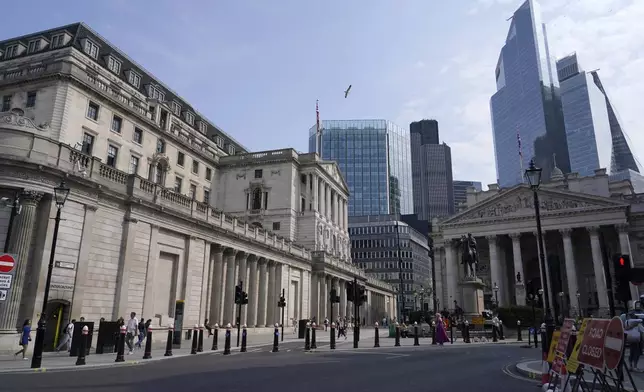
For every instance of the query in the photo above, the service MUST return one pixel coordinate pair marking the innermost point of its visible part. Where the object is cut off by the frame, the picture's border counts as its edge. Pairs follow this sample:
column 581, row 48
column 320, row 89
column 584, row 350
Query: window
column 178, row 182
column 203, row 128
column 134, row 78
column 88, row 144
column 160, row 175
column 114, row 65
column 91, row 48
column 57, row 41
column 257, row 199
column 117, row 123
column 112, row 154
column 6, row 103
column 137, row 136
column 219, row 141
column 195, row 167
column 206, row 196
column 156, row 93
column 160, row 146
column 181, row 157
column 92, row 111
column 190, row 118
column 134, row 165
column 34, row 46
column 176, row 108
column 276, row 226
column 208, row 174
column 192, row 192
column 12, row 51
column 231, row 149
column 258, row 173
column 31, row 99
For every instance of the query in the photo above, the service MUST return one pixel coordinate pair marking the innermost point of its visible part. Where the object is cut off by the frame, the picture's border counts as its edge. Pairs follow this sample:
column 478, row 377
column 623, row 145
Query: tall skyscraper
column 460, row 190
column 375, row 160
column 431, row 166
column 526, row 109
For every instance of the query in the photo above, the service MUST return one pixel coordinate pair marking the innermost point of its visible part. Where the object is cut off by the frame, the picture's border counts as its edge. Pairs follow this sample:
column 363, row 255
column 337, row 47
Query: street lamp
column 578, row 303
column 533, row 175
column 496, row 296
column 60, row 197
column 563, row 305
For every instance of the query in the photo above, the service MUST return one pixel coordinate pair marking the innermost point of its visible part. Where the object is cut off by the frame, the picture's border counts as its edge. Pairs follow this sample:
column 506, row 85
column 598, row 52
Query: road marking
column 506, row 370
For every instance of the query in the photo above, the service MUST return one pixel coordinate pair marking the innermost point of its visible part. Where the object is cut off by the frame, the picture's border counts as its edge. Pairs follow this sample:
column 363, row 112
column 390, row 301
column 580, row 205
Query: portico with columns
column 580, row 232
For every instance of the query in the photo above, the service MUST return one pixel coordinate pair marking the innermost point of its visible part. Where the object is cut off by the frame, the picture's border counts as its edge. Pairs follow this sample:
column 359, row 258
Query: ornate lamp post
column 496, row 295
column 579, row 303
column 533, row 175
column 60, row 195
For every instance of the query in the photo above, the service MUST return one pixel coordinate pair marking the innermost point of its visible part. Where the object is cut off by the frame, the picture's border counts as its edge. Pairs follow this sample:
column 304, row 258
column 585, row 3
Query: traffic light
column 282, row 302
column 238, row 294
column 244, row 298
column 334, row 297
column 350, row 292
column 622, row 265
column 362, row 295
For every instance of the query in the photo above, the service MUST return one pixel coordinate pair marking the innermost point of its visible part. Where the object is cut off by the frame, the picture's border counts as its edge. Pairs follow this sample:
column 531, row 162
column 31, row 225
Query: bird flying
column 346, row 92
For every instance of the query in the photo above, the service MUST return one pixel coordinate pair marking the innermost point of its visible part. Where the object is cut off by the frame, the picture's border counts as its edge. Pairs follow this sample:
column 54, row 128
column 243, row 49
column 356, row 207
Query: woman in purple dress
column 441, row 334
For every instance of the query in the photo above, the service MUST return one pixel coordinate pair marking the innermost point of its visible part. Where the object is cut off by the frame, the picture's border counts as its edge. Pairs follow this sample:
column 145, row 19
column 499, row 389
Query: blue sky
column 256, row 67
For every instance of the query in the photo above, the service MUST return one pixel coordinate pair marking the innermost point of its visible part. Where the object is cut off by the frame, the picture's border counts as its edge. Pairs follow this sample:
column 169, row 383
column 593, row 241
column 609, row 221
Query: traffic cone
column 545, row 370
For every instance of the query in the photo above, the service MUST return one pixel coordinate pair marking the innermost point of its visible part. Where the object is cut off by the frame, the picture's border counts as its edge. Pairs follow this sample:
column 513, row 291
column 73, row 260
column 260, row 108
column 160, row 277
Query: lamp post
column 563, row 305
column 496, row 296
column 60, row 195
column 533, row 175
column 579, row 303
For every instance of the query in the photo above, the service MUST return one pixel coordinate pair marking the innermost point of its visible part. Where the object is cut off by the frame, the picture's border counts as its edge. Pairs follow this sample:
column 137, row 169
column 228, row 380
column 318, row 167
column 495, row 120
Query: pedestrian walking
column 67, row 336
column 206, row 324
column 141, row 330
column 441, row 333
column 131, row 330
column 25, row 338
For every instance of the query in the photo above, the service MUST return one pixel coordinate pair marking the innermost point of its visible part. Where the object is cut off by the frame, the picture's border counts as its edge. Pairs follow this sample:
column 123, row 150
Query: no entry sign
column 591, row 352
column 7, row 262
column 614, row 343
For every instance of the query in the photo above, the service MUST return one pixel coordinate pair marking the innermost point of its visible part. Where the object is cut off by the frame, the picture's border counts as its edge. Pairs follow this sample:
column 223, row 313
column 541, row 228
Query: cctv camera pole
column 14, row 212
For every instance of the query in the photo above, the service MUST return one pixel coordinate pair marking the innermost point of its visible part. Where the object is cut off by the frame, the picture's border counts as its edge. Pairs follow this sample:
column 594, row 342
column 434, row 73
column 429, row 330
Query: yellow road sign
column 478, row 320
column 573, row 363
column 553, row 346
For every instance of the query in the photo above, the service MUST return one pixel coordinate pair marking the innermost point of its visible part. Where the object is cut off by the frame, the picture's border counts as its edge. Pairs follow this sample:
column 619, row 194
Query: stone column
column 229, row 298
column 316, row 194
column 334, row 307
column 313, row 297
column 217, row 290
column 329, row 211
column 321, row 198
column 343, row 298
column 242, row 259
column 451, row 274
column 519, row 287
column 324, row 304
column 625, row 248
column 271, row 302
column 253, row 290
column 19, row 245
column 495, row 269
column 263, row 287
column 571, row 271
column 598, row 267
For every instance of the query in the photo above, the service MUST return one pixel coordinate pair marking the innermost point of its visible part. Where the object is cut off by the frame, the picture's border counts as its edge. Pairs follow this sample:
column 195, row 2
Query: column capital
column 241, row 255
column 251, row 258
column 91, row 207
column 565, row 232
column 622, row 228
column 217, row 248
column 30, row 197
column 593, row 230
column 515, row 236
column 261, row 261
column 491, row 237
column 230, row 251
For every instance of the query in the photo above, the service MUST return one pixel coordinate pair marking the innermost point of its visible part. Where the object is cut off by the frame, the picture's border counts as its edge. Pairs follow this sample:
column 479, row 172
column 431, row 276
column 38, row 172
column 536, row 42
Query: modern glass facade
column 460, row 190
column 375, row 159
column 586, row 118
column 527, row 102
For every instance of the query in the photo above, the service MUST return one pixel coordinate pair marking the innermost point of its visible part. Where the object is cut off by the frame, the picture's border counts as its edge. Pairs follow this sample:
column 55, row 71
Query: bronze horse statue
column 469, row 255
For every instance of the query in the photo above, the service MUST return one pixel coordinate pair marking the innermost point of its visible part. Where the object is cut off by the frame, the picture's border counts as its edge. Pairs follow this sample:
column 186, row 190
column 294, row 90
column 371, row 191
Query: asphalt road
column 473, row 368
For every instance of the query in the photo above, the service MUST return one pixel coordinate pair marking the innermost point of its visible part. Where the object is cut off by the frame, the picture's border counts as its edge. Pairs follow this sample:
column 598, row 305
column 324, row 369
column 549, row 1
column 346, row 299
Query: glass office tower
column 527, row 102
column 374, row 157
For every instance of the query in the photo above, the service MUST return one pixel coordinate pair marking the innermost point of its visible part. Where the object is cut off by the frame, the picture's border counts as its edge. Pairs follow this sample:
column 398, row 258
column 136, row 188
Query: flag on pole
column 317, row 117
column 520, row 154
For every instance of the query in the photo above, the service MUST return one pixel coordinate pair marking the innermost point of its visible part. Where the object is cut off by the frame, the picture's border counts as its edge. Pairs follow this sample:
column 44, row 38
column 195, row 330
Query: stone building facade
column 156, row 209
column 585, row 221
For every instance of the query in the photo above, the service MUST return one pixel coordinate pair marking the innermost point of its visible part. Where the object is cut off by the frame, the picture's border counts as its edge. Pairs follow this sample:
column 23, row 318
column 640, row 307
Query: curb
column 527, row 372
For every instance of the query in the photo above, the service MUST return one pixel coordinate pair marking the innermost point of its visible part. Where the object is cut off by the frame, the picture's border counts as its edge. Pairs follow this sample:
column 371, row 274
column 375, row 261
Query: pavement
column 483, row 367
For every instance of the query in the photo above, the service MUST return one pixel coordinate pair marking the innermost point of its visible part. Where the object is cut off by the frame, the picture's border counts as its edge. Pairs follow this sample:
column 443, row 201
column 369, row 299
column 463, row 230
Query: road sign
column 573, row 363
column 592, row 345
column 613, row 343
column 3, row 295
column 558, row 365
column 553, row 345
column 5, row 281
column 566, row 331
column 478, row 320
column 7, row 262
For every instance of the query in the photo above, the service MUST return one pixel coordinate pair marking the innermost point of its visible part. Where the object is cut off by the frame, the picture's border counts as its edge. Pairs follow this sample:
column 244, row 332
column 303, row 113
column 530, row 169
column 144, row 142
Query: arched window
column 160, row 174
column 257, row 199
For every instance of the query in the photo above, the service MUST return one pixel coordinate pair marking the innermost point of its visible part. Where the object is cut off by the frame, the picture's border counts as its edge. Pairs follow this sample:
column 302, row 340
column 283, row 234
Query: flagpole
column 318, row 129
column 520, row 157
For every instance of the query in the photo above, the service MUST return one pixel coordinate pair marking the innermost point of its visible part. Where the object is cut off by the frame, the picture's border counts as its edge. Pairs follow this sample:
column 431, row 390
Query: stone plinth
column 472, row 296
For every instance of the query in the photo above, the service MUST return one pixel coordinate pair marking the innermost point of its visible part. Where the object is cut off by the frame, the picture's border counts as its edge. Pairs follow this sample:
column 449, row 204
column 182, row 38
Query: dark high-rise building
column 460, row 191
column 526, row 105
column 374, row 158
column 431, row 169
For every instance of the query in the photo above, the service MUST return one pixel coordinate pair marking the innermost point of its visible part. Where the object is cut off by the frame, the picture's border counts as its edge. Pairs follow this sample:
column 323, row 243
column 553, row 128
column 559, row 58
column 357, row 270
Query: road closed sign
column 591, row 351
column 613, row 343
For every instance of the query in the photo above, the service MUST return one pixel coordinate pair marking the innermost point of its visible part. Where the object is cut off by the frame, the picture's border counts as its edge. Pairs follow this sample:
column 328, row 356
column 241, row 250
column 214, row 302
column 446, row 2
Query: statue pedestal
column 519, row 292
column 472, row 296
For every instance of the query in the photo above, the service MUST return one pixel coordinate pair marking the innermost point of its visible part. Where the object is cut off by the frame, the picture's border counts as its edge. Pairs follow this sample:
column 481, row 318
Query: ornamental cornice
column 15, row 119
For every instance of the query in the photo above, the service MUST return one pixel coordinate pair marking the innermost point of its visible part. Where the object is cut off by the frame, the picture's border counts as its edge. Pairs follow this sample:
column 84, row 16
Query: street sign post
column 613, row 343
column 592, row 345
column 7, row 263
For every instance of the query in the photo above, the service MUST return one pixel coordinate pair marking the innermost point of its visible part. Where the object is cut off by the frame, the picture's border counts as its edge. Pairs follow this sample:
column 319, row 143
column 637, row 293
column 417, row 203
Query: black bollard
column 82, row 350
column 314, row 345
column 200, row 342
column 332, row 337
column 227, row 340
column 148, row 345
column 195, row 339
column 120, row 351
column 397, row 338
column 215, row 338
column 416, row 343
column 451, row 331
column 168, row 343
column 519, row 337
column 536, row 338
column 376, row 337
column 494, row 337
column 466, row 330
column 276, row 339
column 433, row 333
column 501, row 334
column 244, row 339
column 307, row 338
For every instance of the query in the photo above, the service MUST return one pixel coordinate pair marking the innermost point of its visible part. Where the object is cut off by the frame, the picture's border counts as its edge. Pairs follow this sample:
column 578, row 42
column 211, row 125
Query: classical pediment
column 334, row 172
column 519, row 202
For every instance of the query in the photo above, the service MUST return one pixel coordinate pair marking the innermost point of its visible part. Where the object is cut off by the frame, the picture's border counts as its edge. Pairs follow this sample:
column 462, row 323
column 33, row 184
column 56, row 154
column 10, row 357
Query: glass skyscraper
column 527, row 106
column 374, row 157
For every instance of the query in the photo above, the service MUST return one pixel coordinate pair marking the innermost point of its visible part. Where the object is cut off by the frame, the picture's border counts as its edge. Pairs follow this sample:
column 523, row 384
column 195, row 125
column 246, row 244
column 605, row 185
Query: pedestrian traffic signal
column 350, row 292
column 238, row 294
column 244, row 298
column 622, row 264
column 282, row 302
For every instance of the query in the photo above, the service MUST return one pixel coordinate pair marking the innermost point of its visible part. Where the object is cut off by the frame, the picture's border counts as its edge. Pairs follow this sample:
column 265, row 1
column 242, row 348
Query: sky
column 255, row 67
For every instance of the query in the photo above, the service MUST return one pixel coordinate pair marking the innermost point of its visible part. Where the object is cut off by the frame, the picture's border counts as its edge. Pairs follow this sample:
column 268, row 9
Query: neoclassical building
column 585, row 221
column 164, row 206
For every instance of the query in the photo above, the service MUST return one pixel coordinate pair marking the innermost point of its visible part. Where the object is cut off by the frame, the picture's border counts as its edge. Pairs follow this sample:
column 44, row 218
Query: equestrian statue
column 469, row 255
